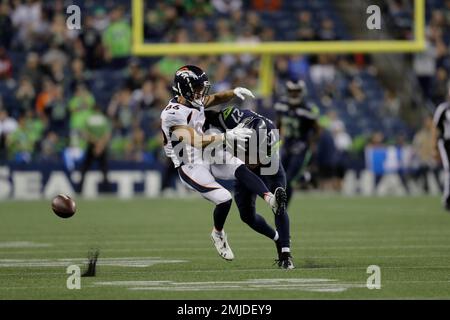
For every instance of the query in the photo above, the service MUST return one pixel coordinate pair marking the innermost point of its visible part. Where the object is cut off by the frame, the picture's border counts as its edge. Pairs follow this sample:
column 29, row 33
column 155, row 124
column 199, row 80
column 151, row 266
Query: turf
column 334, row 240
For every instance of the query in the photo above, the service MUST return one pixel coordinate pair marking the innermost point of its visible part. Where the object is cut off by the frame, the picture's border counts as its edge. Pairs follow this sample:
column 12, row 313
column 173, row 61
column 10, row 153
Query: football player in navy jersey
column 298, row 123
column 266, row 135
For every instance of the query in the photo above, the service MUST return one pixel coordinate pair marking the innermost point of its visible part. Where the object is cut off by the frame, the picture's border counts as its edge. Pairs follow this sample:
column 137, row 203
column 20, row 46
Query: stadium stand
column 45, row 113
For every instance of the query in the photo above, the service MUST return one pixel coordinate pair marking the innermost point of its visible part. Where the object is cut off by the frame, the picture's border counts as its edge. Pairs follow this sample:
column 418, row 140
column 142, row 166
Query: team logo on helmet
column 186, row 73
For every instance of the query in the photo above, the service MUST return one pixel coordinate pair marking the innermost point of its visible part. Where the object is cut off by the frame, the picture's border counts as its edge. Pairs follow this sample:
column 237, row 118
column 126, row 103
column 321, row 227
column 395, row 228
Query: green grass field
column 160, row 249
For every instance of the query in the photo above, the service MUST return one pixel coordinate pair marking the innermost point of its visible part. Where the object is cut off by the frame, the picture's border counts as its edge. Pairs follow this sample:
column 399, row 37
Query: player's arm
column 191, row 137
column 226, row 96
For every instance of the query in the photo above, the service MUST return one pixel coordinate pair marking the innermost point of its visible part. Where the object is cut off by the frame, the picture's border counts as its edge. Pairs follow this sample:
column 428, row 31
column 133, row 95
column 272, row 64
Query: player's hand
column 241, row 93
column 239, row 134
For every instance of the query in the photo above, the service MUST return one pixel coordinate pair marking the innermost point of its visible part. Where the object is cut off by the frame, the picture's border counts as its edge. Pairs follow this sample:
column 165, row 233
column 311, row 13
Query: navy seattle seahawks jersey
column 296, row 124
column 231, row 117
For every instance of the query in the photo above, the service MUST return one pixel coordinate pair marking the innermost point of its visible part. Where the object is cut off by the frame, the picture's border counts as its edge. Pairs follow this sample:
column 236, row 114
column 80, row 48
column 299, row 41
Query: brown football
column 63, row 206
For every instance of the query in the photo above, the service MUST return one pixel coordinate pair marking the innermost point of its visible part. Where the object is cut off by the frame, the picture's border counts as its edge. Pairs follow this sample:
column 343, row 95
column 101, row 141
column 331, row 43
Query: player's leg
column 444, row 150
column 246, row 203
column 283, row 243
column 235, row 168
column 200, row 179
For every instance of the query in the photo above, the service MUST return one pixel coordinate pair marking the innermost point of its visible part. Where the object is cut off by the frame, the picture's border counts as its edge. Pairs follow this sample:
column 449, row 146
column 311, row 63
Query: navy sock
column 220, row 214
column 282, row 224
column 251, row 181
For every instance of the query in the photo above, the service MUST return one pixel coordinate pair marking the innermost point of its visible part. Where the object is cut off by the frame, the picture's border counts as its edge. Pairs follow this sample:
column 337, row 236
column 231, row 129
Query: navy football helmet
column 296, row 91
column 191, row 83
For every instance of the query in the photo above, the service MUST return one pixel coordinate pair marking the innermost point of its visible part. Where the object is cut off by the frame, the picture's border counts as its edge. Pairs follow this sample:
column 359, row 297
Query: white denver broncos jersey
column 176, row 114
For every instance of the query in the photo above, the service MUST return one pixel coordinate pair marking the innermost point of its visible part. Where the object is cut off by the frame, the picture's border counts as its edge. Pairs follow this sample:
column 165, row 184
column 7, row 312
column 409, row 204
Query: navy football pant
column 246, row 203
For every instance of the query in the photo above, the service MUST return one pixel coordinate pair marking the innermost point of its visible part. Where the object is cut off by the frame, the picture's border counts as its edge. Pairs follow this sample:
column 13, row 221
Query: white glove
column 241, row 93
column 238, row 134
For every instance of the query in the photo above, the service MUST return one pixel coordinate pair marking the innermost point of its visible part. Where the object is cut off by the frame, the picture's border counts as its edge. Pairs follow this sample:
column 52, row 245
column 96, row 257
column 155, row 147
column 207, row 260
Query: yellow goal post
column 268, row 49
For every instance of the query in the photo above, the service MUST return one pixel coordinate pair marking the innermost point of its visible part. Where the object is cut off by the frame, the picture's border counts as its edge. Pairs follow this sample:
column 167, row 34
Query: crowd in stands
column 52, row 77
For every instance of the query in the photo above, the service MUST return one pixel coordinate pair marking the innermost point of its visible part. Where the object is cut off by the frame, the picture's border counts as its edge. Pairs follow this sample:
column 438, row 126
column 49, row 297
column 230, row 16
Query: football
column 63, row 206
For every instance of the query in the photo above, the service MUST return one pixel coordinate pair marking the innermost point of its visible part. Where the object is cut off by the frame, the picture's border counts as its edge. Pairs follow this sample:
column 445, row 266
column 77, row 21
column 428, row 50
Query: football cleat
column 221, row 244
column 285, row 261
column 280, row 201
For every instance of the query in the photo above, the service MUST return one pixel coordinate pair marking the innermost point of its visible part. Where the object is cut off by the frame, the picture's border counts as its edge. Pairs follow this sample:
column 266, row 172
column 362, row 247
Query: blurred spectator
column 7, row 126
column 327, row 30
column 6, row 26
column 355, row 90
column 21, row 142
column 92, row 44
column 440, row 86
column 135, row 148
column 135, row 76
column 97, row 133
column 121, row 111
column 447, row 11
column 6, row 71
column 376, row 140
column 45, row 96
column 227, row 6
column 143, row 97
column 391, row 104
column 101, row 19
column 343, row 143
column 198, row 8
column 324, row 71
column 424, row 65
column 117, row 39
column 423, row 149
column 306, row 30
column 224, row 33
column 80, row 106
column 27, row 19
column 25, row 95
column 78, row 75
column 32, row 70
column 57, row 113
column 266, row 5
column 51, row 147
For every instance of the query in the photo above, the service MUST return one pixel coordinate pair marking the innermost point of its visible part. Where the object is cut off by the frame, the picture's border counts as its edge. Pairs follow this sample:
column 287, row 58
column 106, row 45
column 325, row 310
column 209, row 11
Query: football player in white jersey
column 182, row 124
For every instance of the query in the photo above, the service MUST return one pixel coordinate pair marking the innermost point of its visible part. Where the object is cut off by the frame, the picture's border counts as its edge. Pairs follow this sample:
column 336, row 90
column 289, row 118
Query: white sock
column 219, row 233
column 276, row 236
column 285, row 249
column 268, row 197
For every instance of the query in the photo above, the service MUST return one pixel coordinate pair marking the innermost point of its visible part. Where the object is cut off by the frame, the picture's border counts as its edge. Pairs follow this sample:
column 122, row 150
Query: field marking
column 298, row 269
column 148, row 285
column 299, row 284
column 23, row 244
column 266, row 248
column 136, row 262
